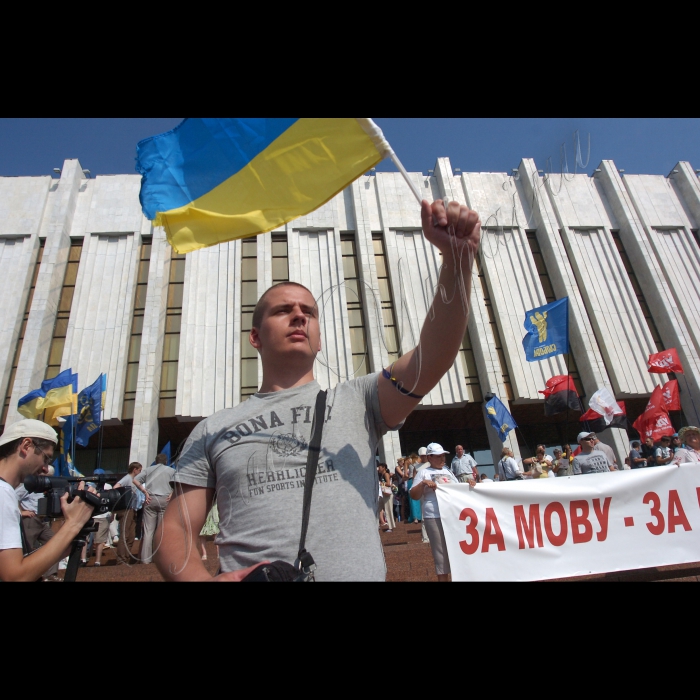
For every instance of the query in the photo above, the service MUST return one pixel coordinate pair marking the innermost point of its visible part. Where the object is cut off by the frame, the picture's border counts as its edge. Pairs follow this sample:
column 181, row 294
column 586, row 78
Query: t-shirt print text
column 280, row 466
column 260, row 482
column 299, row 414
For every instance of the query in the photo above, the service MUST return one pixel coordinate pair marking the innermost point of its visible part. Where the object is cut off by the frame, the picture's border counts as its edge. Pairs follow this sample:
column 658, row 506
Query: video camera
column 54, row 487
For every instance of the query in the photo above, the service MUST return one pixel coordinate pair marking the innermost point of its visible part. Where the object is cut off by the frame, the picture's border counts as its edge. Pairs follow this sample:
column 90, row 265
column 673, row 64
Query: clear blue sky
column 654, row 146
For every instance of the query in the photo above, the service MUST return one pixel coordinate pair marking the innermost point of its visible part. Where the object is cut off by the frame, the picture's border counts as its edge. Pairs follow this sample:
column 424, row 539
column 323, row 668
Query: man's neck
column 10, row 473
column 278, row 378
column 586, row 450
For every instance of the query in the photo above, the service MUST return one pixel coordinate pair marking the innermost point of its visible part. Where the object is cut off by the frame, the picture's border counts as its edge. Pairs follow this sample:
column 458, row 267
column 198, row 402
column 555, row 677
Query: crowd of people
column 408, row 494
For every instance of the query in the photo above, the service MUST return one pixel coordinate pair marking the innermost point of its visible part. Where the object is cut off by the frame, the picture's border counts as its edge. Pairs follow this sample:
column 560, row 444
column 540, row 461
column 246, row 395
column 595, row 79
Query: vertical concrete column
column 144, row 437
column 582, row 339
column 17, row 259
column 668, row 284
column 56, row 226
column 389, row 445
column 488, row 364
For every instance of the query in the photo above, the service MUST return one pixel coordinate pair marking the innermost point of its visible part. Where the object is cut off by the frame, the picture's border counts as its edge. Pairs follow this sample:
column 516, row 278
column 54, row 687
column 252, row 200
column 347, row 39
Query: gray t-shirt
column 595, row 462
column 254, row 455
column 156, row 479
column 635, row 454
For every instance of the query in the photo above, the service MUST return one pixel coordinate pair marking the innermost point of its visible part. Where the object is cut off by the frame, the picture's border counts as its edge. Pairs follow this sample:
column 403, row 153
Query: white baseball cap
column 422, row 451
column 28, row 428
column 584, row 435
column 435, row 449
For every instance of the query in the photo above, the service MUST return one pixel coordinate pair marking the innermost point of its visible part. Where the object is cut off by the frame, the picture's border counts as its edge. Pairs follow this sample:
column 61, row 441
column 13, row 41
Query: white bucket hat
column 28, row 428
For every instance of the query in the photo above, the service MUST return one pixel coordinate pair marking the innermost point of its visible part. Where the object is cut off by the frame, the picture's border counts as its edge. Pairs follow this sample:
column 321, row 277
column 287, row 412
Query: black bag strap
column 304, row 560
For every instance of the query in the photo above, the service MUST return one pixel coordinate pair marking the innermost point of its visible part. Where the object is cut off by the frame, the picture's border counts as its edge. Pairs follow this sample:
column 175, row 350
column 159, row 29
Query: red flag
column 665, row 361
column 654, row 423
column 670, row 395
column 656, row 400
column 560, row 392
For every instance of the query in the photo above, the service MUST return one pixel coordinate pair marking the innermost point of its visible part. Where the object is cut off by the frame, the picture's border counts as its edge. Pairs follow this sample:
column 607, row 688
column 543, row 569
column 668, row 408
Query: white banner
column 570, row 526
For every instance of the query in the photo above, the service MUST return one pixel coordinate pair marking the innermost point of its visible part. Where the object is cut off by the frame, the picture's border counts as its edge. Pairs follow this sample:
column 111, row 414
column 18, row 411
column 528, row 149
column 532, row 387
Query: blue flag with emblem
column 89, row 412
column 166, row 452
column 500, row 418
column 547, row 331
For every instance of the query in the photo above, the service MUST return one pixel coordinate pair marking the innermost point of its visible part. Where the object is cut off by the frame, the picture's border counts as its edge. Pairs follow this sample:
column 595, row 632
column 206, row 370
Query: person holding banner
column 690, row 437
column 589, row 461
column 424, row 485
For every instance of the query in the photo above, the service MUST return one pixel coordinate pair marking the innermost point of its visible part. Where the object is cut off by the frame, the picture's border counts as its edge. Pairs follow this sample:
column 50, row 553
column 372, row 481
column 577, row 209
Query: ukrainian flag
column 57, row 396
column 213, row 180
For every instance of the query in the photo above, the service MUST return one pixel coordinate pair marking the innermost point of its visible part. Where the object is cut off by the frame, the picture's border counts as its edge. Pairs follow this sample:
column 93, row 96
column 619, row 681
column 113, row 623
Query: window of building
column 638, row 291
column 249, row 298
column 471, row 376
column 550, row 297
column 391, row 335
column 280, row 258
column 171, row 340
column 65, row 302
column 23, row 328
column 132, row 367
column 355, row 308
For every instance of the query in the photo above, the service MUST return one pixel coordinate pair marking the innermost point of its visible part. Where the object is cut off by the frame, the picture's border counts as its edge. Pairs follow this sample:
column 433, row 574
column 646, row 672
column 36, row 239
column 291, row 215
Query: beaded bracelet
column 388, row 374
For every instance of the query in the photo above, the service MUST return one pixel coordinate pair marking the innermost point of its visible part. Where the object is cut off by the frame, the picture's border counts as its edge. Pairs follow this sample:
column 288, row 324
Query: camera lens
column 37, row 484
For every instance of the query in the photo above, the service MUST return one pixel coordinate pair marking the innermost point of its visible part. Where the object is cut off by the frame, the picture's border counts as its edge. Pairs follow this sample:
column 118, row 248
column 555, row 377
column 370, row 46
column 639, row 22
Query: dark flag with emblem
column 89, row 412
column 547, row 331
column 500, row 418
column 559, row 394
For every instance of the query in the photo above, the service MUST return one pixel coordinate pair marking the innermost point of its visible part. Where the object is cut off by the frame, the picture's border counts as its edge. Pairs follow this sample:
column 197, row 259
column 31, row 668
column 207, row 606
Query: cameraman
column 26, row 448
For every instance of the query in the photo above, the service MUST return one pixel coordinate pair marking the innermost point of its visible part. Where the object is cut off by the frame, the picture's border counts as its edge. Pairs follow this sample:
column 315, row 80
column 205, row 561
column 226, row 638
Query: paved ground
column 407, row 559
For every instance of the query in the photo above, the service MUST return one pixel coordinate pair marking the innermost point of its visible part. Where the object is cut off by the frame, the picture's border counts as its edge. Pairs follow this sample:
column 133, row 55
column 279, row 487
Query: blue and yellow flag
column 57, row 396
column 500, row 418
column 213, row 180
column 547, row 331
column 64, row 462
column 89, row 412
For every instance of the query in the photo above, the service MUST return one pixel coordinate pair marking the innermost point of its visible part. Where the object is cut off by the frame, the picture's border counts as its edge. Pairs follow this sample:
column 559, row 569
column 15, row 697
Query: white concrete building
column 93, row 286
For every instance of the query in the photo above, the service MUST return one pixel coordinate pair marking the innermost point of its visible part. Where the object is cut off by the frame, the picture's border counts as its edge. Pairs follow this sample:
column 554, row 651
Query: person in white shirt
column 424, row 486
column 690, row 438
column 26, row 448
column 463, row 465
column 508, row 469
column 663, row 453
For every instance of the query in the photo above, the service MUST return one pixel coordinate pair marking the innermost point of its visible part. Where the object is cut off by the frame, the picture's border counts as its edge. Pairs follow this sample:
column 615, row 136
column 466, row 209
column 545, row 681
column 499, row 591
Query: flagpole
column 99, row 445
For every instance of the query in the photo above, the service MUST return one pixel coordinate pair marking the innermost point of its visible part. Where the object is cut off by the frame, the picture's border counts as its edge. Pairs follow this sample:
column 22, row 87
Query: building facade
column 92, row 285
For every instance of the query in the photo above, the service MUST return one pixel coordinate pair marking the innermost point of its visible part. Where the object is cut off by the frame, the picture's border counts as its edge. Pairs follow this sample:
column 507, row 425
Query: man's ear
column 255, row 338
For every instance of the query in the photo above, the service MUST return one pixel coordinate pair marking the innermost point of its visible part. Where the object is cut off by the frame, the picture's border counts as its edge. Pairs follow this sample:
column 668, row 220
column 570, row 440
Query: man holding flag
column 246, row 454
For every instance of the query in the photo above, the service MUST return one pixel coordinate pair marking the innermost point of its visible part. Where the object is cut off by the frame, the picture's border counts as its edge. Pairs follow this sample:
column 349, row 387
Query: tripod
column 79, row 542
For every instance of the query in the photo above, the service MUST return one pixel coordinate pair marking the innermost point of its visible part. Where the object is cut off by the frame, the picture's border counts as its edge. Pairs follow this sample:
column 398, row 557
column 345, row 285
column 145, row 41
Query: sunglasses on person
column 47, row 458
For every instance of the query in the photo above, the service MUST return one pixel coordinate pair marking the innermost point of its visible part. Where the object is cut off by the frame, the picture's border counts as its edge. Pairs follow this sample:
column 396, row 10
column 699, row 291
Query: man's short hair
column 133, row 467
column 161, row 458
column 635, row 444
column 666, row 437
column 260, row 306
